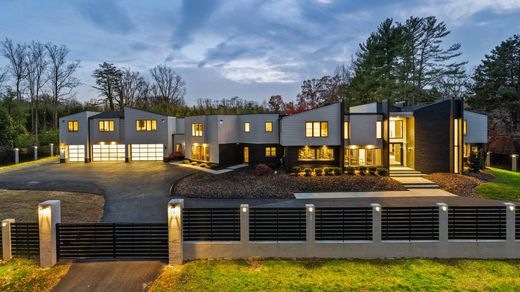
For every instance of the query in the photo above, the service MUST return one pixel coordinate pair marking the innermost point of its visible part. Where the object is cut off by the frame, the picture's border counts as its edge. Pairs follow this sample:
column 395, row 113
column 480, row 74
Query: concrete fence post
column 510, row 222
column 310, row 214
column 443, row 222
column 514, row 162
column 175, row 240
column 51, row 146
column 376, row 222
column 16, row 155
column 488, row 158
column 49, row 214
column 7, row 249
column 244, row 223
column 35, row 148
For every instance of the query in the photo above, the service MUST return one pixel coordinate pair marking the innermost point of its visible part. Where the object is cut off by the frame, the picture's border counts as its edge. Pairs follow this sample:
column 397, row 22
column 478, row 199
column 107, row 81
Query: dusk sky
column 252, row 49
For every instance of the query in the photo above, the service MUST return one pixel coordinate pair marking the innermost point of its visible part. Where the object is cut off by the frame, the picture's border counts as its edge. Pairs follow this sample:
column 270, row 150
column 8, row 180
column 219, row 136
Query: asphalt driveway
column 134, row 192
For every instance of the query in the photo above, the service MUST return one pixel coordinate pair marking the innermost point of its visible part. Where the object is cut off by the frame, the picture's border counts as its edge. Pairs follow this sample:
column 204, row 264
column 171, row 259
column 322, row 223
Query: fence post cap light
column 510, row 206
column 442, row 206
column 244, row 208
column 310, row 207
column 16, row 149
column 514, row 155
column 376, row 206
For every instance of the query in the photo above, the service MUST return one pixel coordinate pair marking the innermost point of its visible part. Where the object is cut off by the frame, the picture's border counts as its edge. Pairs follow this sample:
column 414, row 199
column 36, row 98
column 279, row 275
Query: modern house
column 432, row 137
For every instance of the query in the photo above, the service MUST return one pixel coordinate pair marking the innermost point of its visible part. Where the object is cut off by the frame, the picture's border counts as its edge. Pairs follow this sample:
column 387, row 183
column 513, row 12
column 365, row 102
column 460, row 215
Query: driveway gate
column 112, row 241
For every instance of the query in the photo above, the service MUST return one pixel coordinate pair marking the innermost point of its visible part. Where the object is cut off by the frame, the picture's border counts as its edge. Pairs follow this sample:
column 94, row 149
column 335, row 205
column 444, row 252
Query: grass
column 341, row 275
column 26, row 275
column 75, row 207
column 506, row 186
column 29, row 162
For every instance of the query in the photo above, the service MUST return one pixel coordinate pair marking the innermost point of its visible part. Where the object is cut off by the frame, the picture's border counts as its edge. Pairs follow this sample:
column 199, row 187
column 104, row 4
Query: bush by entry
column 341, row 275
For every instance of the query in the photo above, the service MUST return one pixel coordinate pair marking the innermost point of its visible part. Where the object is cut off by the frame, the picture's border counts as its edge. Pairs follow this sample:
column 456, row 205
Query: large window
column 316, row 129
column 357, row 157
column 346, row 130
column 196, row 129
column 379, row 130
column 146, row 125
column 315, row 153
column 396, row 129
column 73, row 126
column 106, row 126
column 268, row 127
column 200, row 152
column 270, row 151
column 247, row 127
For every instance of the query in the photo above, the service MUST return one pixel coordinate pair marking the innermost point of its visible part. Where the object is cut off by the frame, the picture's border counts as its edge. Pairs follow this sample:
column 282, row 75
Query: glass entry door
column 396, row 153
column 246, row 154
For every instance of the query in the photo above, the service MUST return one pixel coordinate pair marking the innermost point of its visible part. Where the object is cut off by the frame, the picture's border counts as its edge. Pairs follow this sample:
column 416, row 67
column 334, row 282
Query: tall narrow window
column 197, row 129
column 106, row 126
column 308, row 129
column 396, row 129
column 465, row 127
column 73, row 126
column 316, row 129
column 346, row 130
column 379, row 130
column 268, row 127
column 247, row 127
column 146, row 125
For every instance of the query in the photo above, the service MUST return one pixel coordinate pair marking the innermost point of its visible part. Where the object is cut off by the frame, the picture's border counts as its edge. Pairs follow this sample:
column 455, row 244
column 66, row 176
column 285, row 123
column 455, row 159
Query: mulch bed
column 461, row 184
column 244, row 184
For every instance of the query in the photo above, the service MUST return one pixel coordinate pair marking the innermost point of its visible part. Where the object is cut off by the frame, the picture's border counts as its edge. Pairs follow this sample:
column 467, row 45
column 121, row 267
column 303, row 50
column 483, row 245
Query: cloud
column 107, row 15
column 256, row 70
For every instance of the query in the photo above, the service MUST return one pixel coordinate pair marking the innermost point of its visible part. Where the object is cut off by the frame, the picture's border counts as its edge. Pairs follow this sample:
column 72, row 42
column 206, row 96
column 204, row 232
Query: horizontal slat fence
column 25, row 240
column 211, row 224
column 477, row 223
column 277, row 224
column 113, row 241
column 517, row 223
column 343, row 224
column 415, row 223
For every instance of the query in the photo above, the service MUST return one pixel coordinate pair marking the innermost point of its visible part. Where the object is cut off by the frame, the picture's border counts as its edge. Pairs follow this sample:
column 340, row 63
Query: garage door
column 76, row 153
column 108, row 152
column 147, row 152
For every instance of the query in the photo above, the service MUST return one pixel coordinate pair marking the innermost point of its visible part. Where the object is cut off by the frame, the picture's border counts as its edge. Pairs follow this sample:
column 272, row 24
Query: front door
column 396, row 153
column 246, row 154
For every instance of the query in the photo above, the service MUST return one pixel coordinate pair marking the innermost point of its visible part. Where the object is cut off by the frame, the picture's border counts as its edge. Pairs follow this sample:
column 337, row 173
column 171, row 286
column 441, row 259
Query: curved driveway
column 134, row 192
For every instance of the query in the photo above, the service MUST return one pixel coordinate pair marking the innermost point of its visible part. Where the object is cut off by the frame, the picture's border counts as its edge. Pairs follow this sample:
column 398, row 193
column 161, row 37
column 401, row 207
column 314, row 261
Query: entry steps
column 412, row 179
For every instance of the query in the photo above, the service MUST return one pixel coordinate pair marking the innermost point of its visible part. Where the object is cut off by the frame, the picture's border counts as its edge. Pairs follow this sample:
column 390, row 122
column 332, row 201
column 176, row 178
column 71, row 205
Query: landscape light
column 244, row 209
column 311, row 209
column 4, row 224
column 44, row 211
column 511, row 207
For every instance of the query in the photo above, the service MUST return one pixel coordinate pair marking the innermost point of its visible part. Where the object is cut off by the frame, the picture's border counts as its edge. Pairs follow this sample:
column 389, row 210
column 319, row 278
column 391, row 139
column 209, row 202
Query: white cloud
column 257, row 70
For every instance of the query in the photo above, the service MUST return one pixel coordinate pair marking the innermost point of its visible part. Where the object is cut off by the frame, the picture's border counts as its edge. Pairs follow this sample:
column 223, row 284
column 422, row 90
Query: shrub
column 474, row 163
column 372, row 170
column 175, row 155
column 336, row 170
column 307, row 171
column 328, row 170
column 186, row 161
column 194, row 163
column 262, row 169
column 362, row 170
column 213, row 165
column 204, row 165
column 296, row 169
column 318, row 171
column 350, row 170
column 382, row 171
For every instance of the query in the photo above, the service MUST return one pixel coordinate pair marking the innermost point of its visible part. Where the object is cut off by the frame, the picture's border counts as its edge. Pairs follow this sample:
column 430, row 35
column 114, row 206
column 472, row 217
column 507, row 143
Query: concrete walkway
column 382, row 194
column 212, row 171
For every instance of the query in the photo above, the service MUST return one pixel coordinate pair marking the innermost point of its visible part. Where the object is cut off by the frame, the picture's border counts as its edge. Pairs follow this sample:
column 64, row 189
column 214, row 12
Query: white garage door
column 108, row 152
column 76, row 153
column 147, row 152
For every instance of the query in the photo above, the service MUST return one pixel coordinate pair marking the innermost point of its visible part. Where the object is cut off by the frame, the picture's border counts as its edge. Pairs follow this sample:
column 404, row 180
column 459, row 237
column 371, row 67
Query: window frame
column 316, row 151
column 75, row 126
column 314, row 129
column 346, row 130
column 197, row 129
column 108, row 126
column 153, row 125
column 247, row 127
column 402, row 129
column 270, row 128
column 379, row 129
column 270, row 151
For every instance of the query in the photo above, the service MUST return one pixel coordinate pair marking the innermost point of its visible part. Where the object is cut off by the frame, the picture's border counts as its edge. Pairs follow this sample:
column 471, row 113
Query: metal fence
column 477, row 223
column 417, row 223
column 211, row 224
column 112, row 241
column 277, row 224
column 25, row 240
column 347, row 224
column 25, row 154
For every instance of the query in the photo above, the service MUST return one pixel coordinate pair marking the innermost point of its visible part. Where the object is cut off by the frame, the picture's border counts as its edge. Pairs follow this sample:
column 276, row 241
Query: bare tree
column 17, row 66
column 62, row 83
column 132, row 87
column 36, row 62
column 168, row 86
column 3, row 77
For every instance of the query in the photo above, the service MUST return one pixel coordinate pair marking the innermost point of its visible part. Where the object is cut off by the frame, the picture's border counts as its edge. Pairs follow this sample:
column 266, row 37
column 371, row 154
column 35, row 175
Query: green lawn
column 505, row 187
column 341, row 275
column 26, row 275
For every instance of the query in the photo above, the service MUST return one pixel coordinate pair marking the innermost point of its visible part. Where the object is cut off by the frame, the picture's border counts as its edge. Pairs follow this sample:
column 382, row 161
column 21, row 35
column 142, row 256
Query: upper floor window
column 247, row 127
column 73, row 126
column 196, row 129
column 106, row 126
column 379, row 130
column 146, row 125
column 346, row 130
column 316, row 129
column 396, row 129
column 268, row 127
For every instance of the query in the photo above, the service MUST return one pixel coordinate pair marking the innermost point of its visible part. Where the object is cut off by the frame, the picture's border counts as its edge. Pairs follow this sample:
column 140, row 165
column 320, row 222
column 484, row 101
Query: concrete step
column 404, row 171
column 421, row 186
column 407, row 174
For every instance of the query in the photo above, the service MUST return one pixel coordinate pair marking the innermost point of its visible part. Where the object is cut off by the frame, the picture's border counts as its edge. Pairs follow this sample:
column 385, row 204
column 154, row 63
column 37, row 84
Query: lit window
column 200, row 152
column 196, row 130
column 268, row 127
column 316, row 129
column 465, row 127
column 315, row 153
column 346, row 130
column 270, row 151
column 379, row 130
column 247, row 127
column 178, row 147
column 106, row 126
column 146, row 125
column 73, row 126
column 396, row 129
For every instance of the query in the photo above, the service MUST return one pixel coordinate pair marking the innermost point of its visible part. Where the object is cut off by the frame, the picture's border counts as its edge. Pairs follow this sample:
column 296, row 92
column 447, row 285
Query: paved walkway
column 212, row 171
column 382, row 194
